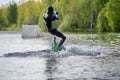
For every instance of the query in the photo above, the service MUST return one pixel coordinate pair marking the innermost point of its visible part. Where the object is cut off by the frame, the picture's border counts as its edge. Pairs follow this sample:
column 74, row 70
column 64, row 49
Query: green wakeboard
column 57, row 48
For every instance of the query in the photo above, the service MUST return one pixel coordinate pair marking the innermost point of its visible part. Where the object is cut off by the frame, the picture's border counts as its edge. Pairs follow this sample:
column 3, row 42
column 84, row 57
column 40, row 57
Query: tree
column 12, row 13
column 1, row 20
column 4, row 13
column 98, row 7
column 102, row 24
column 113, row 14
column 74, row 14
column 29, row 12
column 77, row 15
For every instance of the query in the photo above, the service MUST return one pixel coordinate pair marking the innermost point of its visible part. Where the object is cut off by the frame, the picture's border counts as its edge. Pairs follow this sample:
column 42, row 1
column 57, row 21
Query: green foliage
column 109, row 17
column 113, row 14
column 75, row 15
column 102, row 24
column 66, row 24
column 98, row 6
column 12, row 13
column 8, row 16
column 41, row 21
column 47, row 2
column 29, row 12
column 13, row 27
column 3, row 18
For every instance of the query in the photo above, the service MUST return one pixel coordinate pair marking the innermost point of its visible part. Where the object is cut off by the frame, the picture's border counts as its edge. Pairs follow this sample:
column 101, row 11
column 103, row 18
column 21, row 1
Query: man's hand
column 56, row 13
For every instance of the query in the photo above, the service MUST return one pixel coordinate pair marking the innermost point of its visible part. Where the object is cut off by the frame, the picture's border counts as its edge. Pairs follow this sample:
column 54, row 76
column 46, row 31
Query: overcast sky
column 4, row 2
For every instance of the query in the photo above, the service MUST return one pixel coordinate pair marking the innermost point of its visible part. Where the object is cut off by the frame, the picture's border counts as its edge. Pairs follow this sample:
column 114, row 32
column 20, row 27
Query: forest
column 75, row 15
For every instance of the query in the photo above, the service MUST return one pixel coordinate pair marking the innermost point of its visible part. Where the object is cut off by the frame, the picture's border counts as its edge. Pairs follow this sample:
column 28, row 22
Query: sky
column 4, row 2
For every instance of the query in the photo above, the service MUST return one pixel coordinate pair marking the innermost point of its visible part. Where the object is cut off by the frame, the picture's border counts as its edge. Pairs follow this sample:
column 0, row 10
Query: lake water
column 87, row 57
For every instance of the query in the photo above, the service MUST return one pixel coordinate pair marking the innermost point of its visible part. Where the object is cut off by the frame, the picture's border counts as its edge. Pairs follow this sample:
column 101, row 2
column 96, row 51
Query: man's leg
column 59, row 34
column 62, row 40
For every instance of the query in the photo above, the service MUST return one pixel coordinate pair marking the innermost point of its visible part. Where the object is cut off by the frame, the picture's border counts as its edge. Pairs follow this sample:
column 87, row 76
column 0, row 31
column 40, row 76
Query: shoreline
column 12, row 32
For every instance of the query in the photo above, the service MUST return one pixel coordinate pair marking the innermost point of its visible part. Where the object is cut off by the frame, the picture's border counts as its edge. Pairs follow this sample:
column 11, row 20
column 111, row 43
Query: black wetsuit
column 51, row 17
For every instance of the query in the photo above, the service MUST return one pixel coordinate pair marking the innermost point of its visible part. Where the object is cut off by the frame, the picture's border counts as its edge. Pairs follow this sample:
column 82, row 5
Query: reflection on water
column 110, row 39
column 51, row 67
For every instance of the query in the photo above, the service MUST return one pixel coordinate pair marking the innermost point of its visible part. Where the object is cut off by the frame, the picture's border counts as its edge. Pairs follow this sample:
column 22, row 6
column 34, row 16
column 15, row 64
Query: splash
column 73, row 50
column 80, row 50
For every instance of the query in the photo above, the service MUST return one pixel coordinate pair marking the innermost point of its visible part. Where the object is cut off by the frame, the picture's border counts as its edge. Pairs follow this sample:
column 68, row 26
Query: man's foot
column 57, row 48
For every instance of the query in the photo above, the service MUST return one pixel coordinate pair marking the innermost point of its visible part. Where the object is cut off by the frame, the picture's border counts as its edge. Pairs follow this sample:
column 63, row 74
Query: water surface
column 87, row 57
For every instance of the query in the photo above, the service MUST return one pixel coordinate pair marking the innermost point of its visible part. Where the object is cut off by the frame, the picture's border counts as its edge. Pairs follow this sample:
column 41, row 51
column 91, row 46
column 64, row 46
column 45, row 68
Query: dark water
column 87, row 57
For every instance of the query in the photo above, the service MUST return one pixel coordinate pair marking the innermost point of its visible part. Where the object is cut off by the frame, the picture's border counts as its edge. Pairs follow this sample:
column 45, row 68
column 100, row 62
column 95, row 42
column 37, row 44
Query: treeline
column 75, row 15
column 13, row 16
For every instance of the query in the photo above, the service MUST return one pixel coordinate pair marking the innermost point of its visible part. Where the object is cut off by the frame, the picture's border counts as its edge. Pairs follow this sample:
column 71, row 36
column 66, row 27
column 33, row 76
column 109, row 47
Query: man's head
column 50, row 9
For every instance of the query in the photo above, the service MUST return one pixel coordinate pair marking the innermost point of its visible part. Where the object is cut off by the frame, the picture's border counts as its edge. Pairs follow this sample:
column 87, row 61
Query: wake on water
column 73, row 50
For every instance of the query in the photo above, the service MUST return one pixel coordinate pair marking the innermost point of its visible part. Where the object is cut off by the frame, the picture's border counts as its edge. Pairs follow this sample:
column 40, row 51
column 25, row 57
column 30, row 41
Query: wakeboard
column 57, row 48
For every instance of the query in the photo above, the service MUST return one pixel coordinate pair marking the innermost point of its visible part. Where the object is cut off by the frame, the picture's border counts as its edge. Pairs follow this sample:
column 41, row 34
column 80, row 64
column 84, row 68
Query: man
column 50, row 18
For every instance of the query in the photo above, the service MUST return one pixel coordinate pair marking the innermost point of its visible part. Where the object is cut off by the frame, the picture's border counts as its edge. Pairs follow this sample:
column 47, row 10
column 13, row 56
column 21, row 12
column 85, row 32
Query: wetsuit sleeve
column 53, row 17
column 49, row 19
